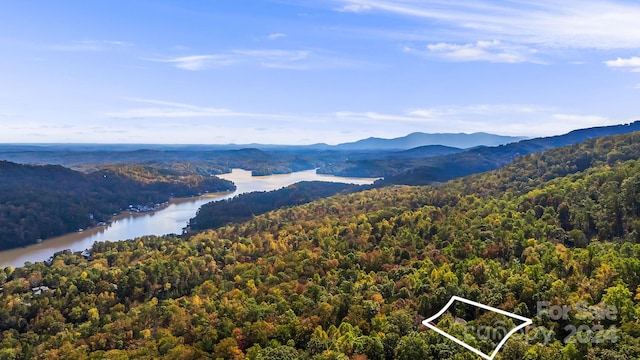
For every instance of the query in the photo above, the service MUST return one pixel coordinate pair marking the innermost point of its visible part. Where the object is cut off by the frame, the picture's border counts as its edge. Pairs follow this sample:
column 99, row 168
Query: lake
column 168, row 220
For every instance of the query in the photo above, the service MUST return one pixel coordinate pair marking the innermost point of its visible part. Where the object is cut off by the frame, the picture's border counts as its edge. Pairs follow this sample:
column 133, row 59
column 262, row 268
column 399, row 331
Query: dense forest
column 352, row 276
column 39, row 202
column 244, row 206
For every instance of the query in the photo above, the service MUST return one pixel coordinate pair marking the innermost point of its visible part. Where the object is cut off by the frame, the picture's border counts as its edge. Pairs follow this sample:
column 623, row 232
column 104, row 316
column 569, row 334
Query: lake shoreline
column 126, row 214
column 171, row 219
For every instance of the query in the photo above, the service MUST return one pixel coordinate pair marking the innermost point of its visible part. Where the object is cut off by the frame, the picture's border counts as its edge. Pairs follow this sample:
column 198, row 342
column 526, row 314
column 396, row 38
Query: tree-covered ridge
column 353, row 275
column 427, row 171
column 39, row 202
column 244, row 206
column 201, row 160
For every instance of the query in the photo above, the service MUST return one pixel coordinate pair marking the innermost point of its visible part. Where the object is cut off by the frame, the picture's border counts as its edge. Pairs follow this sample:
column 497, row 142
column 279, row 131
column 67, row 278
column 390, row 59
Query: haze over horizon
column 304, row 72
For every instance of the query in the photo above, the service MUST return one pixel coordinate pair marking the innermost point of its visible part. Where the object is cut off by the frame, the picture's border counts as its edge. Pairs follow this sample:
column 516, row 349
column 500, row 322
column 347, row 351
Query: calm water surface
column 169, row 220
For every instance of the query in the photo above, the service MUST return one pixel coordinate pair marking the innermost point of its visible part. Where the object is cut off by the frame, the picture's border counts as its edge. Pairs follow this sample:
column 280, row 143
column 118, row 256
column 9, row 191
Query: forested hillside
column 201, row 160
column 352, row 276
column 39, row 202
column 244, row 206
column 426, row 171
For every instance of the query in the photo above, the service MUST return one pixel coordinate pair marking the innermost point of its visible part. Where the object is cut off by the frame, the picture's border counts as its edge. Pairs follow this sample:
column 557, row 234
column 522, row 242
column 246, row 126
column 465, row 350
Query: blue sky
column 307, row 71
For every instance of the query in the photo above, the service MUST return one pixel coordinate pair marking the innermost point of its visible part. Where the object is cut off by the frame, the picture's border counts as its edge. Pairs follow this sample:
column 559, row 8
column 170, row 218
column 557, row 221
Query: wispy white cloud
column 168, row 109
column 90, row 45
column 506, row 119
column 108, row 42
column 197, row 62
column 620, row 62
column 268, row 58
column 491, row 51
column 632, row 63
column 289, row 59
column 587, row 24
column 481, row 109
column 356, row 8
column 375, row 116
column 582, row 120
column 446, row 113
column 176, row 122
column 281, row 59
column 276, row 36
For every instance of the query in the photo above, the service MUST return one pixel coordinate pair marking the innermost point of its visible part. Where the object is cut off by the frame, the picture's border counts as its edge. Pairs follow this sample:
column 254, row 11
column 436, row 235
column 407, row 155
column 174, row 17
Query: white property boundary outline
column 453, row 299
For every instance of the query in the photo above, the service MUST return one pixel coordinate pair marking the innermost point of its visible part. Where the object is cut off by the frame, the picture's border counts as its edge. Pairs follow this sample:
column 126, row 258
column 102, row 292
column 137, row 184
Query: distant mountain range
column 417, row 139
column 446, row 167
column 418, row 158
column 441, row 143
column 413, row 140
column 424, row 165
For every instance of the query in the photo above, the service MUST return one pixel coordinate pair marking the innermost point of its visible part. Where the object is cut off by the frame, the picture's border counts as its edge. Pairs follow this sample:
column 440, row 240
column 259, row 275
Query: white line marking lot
column 526, row 322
